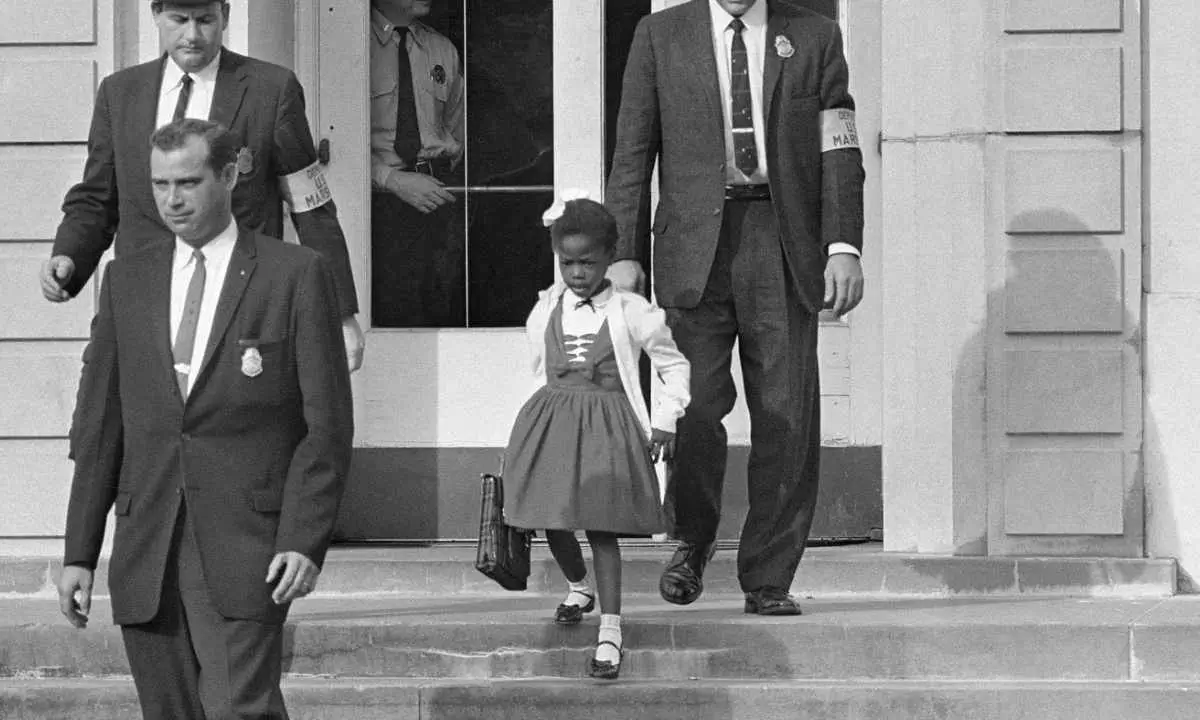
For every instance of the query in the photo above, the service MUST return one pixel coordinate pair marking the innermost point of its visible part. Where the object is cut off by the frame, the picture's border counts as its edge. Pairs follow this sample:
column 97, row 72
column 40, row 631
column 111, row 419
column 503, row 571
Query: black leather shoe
column 566, row 614
column 771, row 601
column 683, row 579
column 602, row 670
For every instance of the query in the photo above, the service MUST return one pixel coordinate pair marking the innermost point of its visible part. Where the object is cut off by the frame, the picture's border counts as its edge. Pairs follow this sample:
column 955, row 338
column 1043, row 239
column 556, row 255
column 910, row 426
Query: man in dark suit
column 214, row 417
column 744, row 106
column 261, row 103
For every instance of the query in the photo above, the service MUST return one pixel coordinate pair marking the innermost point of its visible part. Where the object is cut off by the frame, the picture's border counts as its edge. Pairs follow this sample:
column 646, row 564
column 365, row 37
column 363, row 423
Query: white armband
column 306, row 189
column 838, row 130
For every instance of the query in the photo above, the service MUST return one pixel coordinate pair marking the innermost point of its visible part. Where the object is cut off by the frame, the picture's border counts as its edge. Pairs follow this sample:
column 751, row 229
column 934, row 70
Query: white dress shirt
column 755, row 37
column 216, row 261
column 204, row 84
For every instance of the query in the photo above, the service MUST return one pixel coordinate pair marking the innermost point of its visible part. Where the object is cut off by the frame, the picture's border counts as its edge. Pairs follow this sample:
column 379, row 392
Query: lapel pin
column 783, row 47
column 251, row 362
column 438, row 73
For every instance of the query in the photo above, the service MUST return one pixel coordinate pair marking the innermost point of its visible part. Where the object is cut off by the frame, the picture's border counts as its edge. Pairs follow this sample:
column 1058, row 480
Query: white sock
column 610, row 630
column 578, row 593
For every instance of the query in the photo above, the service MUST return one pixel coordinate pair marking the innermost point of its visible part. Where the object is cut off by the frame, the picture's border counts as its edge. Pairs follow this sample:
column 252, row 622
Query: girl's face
column 583, row 262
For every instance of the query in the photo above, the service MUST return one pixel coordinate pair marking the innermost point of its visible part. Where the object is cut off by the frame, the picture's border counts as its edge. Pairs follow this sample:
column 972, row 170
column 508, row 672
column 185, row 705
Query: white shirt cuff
column 843, row 249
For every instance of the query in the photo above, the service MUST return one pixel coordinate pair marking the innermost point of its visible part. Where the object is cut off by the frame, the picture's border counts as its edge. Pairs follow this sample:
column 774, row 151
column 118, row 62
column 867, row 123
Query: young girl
column 582, row 448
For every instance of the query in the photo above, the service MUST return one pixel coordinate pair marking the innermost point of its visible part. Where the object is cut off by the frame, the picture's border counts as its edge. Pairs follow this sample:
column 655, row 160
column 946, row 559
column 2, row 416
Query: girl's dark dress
column 577, row 458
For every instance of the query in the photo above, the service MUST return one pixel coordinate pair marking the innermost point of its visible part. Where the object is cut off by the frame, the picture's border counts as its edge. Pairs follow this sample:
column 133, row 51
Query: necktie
column 185, row 94
column 185, row 339
column 408, row 132
column 745, row 151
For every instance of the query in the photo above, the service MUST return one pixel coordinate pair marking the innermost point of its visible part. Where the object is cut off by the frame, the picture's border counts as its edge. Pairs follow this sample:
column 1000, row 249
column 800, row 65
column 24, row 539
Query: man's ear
column 229, row 176
column 225, row 16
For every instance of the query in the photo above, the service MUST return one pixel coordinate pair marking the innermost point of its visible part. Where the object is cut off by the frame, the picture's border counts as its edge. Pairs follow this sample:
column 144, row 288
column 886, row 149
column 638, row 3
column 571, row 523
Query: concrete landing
column 832, row 572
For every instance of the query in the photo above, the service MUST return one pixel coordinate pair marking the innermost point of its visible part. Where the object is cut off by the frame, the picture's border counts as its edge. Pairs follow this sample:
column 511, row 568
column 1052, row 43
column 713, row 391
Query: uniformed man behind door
column 417, row 221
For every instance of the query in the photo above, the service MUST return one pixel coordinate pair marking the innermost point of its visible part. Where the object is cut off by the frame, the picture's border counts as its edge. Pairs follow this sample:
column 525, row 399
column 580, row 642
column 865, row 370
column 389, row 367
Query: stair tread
column 725, row 609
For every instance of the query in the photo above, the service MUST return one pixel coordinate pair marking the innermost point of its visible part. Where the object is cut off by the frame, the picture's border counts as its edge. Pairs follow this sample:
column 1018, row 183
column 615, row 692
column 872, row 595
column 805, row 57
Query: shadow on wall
column 1063, row 287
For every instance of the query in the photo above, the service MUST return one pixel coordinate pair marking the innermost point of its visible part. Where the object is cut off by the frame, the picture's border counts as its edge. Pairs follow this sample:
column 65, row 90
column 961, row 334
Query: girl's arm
column 648, row 324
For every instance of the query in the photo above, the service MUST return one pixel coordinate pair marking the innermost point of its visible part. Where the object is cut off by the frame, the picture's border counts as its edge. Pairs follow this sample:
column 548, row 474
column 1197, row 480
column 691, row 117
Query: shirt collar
column 217, row 249
column 384, row 30
column 754, row 18
column 173, row 74
column 597, row 301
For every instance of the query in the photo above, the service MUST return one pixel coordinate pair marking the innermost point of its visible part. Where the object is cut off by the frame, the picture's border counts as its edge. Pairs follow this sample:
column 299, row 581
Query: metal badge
column 783, row 47
column 245, row 161
column 251, row 362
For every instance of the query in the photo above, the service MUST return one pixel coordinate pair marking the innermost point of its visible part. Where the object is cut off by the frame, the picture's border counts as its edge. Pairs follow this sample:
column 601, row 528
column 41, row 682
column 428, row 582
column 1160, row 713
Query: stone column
column 1172, row 300
column 935, row 281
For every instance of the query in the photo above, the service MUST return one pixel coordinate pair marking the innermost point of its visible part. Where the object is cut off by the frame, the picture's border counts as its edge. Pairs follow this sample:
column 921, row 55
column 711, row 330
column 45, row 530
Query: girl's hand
column 662, row 443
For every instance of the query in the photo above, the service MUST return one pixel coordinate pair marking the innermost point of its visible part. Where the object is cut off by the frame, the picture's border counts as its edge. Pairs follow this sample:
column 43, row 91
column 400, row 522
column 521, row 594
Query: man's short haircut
column 588, row 218
column 222, row 144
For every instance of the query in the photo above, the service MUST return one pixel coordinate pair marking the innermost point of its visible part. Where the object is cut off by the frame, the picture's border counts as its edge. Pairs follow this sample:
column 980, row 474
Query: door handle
column 323, row 151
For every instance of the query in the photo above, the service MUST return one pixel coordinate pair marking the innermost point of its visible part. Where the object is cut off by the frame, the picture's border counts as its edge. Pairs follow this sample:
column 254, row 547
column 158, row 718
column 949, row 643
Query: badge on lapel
column 783, row 47
column 245, row 161
column 251, row 362
column 438, row 73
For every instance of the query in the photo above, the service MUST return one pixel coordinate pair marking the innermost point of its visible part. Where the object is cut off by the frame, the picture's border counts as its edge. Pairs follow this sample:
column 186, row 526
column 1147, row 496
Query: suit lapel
column 231, row 87
column 158, row 309
column 241, row 268
column 145, row 121
column 777, row 24
column 696, row 35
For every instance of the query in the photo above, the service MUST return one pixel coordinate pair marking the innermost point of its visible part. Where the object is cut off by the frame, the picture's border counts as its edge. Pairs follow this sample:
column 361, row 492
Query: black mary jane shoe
column 602, row 669
column 771, row 601
column 682, row 581
column 573, row 614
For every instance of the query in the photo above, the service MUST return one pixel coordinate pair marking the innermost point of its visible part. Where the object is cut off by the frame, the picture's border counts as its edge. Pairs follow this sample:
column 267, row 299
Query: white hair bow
column 555, row 211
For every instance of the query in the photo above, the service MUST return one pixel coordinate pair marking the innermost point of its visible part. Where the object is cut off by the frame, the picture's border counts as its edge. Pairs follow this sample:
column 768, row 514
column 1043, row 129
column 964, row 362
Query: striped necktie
column 745, row 151
column 185, row 339
column 185, row 95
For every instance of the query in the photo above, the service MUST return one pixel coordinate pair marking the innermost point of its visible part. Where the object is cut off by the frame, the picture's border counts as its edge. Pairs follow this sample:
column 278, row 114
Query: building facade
column 1016, row 381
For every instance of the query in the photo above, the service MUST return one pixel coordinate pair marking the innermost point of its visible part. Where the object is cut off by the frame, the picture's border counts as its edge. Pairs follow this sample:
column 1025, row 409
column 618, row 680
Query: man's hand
column 56, row 272
column 422, row 191
column 627, row 275
column 356, row 342
column 297, row 576
column 662, row 443
column 843, row 283
column 75, row 594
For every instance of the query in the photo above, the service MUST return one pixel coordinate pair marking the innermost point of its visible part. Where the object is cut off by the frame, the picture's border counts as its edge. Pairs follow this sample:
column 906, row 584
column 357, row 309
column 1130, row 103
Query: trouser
column 418, row 271
column 192, row 663
column 750, row 298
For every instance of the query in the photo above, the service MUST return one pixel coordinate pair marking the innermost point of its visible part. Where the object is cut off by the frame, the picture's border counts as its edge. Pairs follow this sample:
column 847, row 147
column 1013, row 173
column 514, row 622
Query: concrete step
column 373, row 699
column 513, row 637
column 854, row 570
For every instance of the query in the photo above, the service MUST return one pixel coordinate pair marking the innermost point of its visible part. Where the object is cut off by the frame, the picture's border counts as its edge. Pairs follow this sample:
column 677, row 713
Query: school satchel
column 503, row 551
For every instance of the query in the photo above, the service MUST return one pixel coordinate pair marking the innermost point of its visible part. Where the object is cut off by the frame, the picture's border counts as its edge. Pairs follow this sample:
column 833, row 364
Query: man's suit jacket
column 261, row 103
column 671, row 112
column 260, row 461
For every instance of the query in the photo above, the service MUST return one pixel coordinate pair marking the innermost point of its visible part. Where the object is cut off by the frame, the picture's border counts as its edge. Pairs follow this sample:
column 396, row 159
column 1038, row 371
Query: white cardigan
column 635, row 325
